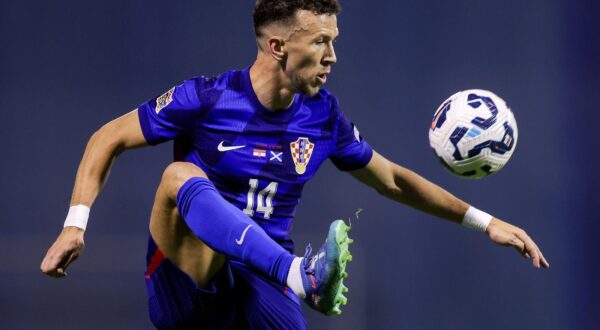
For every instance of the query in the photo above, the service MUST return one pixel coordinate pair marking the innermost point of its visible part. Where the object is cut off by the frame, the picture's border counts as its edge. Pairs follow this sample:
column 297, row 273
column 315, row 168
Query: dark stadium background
column 67, row 67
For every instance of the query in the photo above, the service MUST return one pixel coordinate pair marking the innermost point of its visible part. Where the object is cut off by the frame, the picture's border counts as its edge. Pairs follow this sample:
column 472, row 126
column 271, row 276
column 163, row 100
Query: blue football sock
column 228, row 230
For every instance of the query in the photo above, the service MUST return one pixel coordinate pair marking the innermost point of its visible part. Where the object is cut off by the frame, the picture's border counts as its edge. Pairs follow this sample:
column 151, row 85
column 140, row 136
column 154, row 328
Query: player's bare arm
column 103, row 148
column 407, row 187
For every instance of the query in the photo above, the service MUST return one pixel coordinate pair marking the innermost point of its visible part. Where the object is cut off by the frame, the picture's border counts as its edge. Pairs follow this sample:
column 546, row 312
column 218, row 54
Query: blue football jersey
column 258, row 159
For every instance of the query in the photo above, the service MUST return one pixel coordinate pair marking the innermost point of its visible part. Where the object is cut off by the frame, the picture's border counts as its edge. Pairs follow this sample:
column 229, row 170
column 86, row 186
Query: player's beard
column 305, row 86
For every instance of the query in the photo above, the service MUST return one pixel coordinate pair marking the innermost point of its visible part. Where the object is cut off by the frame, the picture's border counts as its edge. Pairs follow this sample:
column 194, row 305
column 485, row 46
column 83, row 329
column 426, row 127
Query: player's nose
column 330, row 57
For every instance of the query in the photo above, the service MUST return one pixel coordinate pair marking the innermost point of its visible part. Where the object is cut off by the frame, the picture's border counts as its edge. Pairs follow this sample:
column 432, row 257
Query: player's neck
column 268, row 85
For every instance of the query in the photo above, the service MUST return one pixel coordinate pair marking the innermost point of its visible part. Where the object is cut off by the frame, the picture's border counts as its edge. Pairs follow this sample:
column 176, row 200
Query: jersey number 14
column 264, row 199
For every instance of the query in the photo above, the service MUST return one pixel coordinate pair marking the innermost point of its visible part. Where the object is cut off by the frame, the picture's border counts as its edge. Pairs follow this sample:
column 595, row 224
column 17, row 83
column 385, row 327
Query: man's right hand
column 67, row 248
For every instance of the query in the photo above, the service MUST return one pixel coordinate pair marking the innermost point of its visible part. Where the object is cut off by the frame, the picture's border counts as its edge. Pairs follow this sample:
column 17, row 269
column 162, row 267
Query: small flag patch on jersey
column 164, row 100
column 301, row 152
column 259, row 153
column 276, row 156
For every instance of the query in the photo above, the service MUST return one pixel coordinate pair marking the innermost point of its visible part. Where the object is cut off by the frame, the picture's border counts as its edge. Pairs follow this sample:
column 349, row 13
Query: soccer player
column 219, row 251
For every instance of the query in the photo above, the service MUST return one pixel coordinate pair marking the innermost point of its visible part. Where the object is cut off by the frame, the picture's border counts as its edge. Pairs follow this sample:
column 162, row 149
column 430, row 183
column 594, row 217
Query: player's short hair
column 270, row 11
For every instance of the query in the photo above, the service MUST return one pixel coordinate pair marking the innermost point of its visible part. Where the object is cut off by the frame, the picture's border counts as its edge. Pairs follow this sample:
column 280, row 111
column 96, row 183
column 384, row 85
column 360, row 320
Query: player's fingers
column 55, row 273
column 61, row 272
column 536, row 259
column 58, row 273
column 545, row 263
column 44, row 264
column 518, row 244
column 52, row 262
column 49, row 262
column 72, row 257
column 520, row 247
column 530, row 248
column 543, row 260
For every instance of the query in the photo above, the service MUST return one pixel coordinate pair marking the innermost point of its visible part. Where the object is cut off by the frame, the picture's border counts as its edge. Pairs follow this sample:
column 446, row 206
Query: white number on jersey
column 263, row 206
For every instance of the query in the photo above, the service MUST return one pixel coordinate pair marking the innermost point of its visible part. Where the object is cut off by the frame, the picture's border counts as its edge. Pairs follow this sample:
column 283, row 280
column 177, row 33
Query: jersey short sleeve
column 172, row 114
column 351, row 152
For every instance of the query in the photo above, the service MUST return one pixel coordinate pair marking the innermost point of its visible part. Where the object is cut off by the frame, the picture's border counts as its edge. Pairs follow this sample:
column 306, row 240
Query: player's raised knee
column 177, row 173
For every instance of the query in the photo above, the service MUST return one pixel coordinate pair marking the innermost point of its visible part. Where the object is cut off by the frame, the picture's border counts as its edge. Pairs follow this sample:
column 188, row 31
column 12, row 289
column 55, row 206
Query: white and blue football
column 473, row 133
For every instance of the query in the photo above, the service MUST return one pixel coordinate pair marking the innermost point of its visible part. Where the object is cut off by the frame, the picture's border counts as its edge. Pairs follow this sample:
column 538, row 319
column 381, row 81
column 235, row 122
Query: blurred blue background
column 67, row 67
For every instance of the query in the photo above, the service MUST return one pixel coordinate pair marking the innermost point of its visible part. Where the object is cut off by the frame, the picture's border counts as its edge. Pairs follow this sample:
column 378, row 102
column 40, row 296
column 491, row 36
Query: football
column 473, row 133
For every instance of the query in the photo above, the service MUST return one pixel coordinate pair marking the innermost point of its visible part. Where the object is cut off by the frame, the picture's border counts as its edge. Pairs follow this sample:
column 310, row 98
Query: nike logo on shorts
column 241, row 240
column 223, row 148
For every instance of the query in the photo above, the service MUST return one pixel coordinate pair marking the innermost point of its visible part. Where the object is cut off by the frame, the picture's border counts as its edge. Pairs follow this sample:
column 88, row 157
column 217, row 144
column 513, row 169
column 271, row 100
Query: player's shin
column 228, row 230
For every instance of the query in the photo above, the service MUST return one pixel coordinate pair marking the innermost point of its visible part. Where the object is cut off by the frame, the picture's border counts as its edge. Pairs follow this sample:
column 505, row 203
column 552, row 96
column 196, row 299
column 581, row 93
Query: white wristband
column 476, row 219
column 78, row 216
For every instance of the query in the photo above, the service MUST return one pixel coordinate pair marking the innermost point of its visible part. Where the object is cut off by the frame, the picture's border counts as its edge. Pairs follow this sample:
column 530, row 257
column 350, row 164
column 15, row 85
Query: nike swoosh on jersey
column 223, row 148
column 241, row 240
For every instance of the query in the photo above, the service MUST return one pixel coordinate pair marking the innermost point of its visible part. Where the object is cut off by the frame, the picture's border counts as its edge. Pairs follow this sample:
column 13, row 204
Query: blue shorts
column 237, row 298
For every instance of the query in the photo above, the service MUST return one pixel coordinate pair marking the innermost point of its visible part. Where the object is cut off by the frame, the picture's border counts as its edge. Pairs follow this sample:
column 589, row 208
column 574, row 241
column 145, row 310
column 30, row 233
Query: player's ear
column 277, row 48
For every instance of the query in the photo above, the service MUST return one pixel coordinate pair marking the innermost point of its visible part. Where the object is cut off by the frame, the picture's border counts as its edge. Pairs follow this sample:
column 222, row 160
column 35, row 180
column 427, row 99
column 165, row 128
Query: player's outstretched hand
column 66, row 249
column 506, row 234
